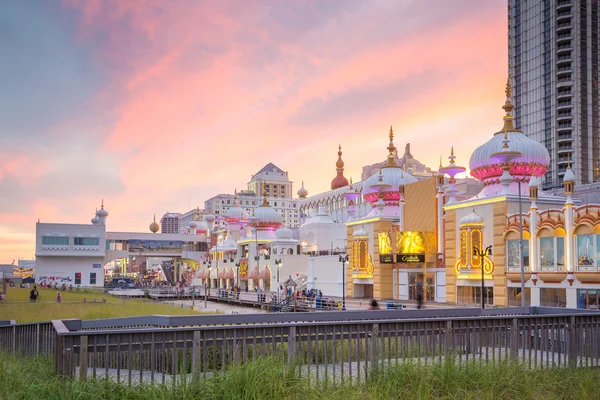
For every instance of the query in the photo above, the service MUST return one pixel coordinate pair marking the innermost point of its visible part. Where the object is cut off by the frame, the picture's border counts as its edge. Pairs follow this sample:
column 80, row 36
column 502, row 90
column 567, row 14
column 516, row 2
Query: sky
column 157, row 106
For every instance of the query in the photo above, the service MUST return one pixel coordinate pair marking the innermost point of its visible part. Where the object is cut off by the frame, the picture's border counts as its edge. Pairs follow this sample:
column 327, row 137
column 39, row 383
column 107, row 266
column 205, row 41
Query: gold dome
column 154, row 227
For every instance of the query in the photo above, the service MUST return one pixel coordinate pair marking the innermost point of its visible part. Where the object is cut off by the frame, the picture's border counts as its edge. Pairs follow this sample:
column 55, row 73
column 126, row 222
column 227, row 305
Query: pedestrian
column 419, row 292
column 374, row 305
column 58, row 297
column 33, row 295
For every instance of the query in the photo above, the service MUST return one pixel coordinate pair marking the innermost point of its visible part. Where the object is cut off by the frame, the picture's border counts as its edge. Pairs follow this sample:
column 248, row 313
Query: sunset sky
column 157, row 105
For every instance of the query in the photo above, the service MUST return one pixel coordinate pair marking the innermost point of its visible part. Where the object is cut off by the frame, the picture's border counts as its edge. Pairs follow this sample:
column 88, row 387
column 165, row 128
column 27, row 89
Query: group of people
column 34, row 294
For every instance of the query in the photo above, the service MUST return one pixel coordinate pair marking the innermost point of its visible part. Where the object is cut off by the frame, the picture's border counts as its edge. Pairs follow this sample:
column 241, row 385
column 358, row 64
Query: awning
column 265, row 274
column 230, row 274
column 221, row 273
column 254, row 273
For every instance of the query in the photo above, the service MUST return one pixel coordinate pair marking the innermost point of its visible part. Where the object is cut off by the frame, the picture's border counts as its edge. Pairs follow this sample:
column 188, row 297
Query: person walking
column 33, row 295
column 58, row 297
column 420, row 293
column 374, row 305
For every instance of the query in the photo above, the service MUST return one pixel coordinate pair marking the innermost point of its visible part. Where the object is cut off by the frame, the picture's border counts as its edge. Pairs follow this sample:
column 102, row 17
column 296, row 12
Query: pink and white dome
column 534, row 159
column 235, row 214
column 391, row 174
column 265, row 217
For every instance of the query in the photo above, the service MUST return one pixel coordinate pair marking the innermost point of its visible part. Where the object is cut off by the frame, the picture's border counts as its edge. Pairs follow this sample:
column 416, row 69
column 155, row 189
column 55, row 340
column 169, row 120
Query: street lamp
column 237, row 266
column 278, row 263
column 482, row 253
column 344, row 260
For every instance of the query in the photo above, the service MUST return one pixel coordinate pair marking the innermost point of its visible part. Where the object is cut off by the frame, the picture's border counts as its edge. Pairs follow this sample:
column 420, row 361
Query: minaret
column 452, row 170
column 569, row 186
column 102, row 214
column 339, row 181
column 440, row 209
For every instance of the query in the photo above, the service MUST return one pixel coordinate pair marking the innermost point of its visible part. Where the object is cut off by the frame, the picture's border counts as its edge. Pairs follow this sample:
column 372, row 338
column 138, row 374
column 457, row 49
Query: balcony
column 564, row 47
column 564, row 36
column 564, row 58
column 564, row 105
column 564, row 69
column 563, row 4
column 563, row 94
column 564, row 116
column 563, row 14
column 564, row 126
column 564, row 149
column 564, row 138
column 564, row 25
column 564, row 82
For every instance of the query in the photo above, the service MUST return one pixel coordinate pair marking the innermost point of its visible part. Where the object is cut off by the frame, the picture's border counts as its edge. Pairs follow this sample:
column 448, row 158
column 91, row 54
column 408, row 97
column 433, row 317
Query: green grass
column 266, row 378
column 18, row 307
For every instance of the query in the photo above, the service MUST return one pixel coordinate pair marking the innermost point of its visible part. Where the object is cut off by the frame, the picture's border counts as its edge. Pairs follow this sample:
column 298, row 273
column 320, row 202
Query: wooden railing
column 326, row 345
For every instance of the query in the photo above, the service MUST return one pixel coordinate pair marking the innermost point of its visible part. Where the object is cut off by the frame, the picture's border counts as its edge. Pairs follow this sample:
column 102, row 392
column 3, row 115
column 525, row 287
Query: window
column 92, row 278
column 552, row 253
column 79, row 241
column 588, row 298
column 78, row 278
column 512, row 253
column 56, row 241
column 585, row 250
column 550, row 297
column 472, row 295
column 514, row 297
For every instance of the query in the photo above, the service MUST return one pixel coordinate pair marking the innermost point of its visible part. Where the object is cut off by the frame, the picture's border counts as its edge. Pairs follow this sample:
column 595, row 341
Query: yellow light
column 362, row 221
column 475, row 203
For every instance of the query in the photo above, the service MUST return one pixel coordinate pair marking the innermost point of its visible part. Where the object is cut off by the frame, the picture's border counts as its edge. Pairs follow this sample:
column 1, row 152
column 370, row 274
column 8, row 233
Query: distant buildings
column 169, row 223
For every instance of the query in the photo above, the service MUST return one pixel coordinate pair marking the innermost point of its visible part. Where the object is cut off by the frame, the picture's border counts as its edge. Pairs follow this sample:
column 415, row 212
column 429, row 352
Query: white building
column 76, row 254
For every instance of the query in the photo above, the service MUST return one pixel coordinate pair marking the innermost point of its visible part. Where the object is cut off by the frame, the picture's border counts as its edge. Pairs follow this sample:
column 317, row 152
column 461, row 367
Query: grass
column 18, row 307
column 266, row 378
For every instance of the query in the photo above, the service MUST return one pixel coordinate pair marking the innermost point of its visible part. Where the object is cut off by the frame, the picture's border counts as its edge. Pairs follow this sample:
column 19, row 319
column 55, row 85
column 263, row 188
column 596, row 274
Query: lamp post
column 482, row 253
column 344, row 260
column 521, row 258
column 206, row 286
column 237, row 267
column 278, row 263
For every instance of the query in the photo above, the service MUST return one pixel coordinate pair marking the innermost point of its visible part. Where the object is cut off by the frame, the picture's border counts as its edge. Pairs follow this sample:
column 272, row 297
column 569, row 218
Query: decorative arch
column 552, row 219
column 584, row 228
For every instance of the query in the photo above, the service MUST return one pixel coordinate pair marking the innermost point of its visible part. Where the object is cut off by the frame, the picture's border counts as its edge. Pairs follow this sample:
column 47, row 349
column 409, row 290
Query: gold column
column 499, row 274
column 349, row 283
column 383, row 273
column 450, row 243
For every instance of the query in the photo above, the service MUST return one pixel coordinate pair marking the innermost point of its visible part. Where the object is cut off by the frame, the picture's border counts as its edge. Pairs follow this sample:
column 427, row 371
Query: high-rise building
column 169, row 223
column 553, row 65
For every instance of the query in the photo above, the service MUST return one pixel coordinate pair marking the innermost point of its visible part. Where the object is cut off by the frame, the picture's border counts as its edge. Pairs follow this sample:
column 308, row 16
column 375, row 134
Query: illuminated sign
column 410, row 258
column 243, row 268
column 385, row 243
column 22, row 272
column 411, row 242
column 386, row 258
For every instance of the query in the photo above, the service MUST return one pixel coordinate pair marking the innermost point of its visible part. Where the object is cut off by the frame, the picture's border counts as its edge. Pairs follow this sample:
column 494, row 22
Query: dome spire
column 339, row 180
column 508, row 107
column 302, row 193
column 391, row 158
column 265, row 202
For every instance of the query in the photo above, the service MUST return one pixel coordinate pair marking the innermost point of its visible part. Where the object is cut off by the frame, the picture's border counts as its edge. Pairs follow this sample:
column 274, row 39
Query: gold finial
column 507, row 90
column 154, row 217
column 568, row 160
column 351, row 180
column 102, row 205
column 265, row 202
column 340, row 163
column 38, row 220
column 508, row 107
column 391, row 158
column 440, row 161
column 302, row 182
column 340, row 147
column 452, row 150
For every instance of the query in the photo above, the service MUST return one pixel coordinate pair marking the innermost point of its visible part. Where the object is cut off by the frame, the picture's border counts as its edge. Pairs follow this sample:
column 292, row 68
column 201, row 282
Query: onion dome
column 569, row 176
column 472, row 219
column 534, row 158
column 154, row 227
column 265, row 217
column 391, row 174
column 102, row 212
column 210, row 217
column 339, row 180
column 302, row 193
column 192, row 224
column 235, row 214
column 361, row 233
column 95, row 220
column 283, row 232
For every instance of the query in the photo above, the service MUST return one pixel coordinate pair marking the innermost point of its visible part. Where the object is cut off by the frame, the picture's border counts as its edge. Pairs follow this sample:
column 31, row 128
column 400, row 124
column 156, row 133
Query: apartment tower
column 553, row 65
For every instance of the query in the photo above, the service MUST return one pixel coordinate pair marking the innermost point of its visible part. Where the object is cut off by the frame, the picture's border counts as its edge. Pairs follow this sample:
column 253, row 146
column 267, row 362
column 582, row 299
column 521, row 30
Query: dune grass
column 32, row 378
column 18, row 307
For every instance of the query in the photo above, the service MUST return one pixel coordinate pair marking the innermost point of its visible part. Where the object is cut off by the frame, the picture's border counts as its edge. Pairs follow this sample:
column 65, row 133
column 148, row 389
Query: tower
column 559, row 107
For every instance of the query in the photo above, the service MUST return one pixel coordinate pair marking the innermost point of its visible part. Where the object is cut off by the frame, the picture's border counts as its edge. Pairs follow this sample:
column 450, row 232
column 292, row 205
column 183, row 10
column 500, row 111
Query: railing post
column 449, row 338
column 572, row 343
column 291, row 344
column 514, row 338
column 59, row 348
column 373, row 342
column 196, row 356
column 83, row 357
column 38, row 334
column 14, row 340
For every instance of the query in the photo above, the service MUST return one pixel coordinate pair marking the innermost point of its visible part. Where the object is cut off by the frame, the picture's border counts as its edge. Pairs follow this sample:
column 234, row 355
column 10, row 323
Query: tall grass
column 18, row 307
column 267, row 378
